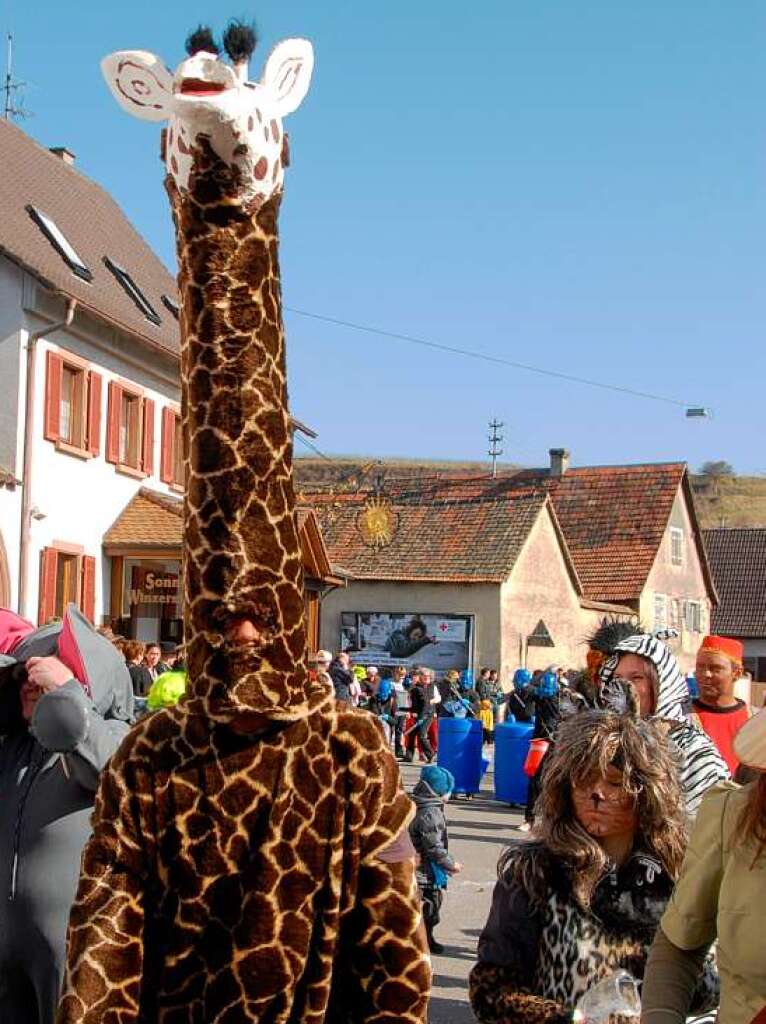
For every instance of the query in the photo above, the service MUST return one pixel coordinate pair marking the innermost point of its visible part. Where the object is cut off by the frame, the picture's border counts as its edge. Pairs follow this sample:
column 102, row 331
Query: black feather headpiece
column 201, row 39
column 239, row 41
column 610, row 633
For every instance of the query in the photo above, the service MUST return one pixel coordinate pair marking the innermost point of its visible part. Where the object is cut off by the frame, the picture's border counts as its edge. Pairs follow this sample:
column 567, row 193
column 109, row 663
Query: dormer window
column 132, row 290
column 60, row 242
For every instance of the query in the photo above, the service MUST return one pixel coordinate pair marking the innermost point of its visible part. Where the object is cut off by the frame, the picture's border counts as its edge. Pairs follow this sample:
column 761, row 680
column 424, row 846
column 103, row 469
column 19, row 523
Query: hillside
column 730, row 501
column 720, row 501
column 350, row 471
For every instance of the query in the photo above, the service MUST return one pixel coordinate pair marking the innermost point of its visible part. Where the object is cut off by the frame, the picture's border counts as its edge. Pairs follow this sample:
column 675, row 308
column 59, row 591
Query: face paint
column 602, row 806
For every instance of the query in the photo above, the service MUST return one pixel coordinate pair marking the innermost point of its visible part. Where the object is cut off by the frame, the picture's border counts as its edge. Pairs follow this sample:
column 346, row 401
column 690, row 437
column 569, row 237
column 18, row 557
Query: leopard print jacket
column 540, row 952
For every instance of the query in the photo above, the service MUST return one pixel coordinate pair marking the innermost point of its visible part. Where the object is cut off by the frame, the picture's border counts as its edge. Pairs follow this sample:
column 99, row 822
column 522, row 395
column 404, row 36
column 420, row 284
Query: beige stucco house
column 499, row 567
column 531, row 561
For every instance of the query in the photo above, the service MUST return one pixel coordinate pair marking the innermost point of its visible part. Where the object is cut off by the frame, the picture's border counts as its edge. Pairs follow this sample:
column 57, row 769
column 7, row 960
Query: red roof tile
column 149, row 520
column 95, row 227
column 738, row 563
column 466, row 540
column 613, row 519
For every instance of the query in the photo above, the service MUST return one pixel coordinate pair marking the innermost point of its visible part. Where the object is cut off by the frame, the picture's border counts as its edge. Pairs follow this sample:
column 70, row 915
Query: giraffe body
column 231, row 880
column 246, row 862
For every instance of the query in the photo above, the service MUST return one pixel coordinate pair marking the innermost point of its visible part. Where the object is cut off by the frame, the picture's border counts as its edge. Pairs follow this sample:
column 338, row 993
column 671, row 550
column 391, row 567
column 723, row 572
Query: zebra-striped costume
column 701, row 764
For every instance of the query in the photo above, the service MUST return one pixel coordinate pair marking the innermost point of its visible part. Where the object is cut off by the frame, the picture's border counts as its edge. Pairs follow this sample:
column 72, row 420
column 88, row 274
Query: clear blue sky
column 577, row 185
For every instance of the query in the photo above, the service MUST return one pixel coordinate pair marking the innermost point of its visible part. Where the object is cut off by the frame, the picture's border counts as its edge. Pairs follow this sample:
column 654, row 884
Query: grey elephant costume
column 49, row 772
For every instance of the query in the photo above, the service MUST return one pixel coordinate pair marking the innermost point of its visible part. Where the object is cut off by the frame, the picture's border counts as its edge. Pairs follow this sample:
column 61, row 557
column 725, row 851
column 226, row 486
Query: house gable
column 542, row 587
column 679, row 593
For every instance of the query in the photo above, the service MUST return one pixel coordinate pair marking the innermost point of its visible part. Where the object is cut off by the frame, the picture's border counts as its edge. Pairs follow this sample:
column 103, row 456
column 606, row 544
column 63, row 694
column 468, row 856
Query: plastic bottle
column 616, row 994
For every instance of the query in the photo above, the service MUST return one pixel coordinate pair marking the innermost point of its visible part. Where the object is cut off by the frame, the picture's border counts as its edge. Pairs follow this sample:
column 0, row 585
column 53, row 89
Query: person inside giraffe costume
column 249, row 858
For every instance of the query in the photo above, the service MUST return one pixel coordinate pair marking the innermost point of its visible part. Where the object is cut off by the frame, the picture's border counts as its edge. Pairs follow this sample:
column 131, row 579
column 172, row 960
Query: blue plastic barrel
column 460, row 741
column 511, row 746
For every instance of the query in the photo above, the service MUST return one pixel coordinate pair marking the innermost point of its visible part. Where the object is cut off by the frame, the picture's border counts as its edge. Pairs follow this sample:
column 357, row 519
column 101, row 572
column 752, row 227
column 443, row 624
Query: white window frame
column 676, row 542
column 60, row 242
column 660, row 611
column 693, row 616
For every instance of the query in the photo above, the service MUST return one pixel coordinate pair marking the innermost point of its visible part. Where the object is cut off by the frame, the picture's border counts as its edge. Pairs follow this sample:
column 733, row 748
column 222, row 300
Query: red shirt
column 722, row 725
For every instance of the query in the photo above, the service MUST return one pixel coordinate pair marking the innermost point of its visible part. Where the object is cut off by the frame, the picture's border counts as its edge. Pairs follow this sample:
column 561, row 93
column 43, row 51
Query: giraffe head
column 209, row 100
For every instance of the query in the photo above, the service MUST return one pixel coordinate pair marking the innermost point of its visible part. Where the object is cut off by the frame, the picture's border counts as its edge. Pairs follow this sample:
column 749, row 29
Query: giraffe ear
column 287, row 74
column 140, row 83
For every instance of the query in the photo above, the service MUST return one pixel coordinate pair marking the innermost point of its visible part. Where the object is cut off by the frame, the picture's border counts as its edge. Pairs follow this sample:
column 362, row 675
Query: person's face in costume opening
column 716, row 674
column 602, row 806
column 417, row 633
column 637, row 670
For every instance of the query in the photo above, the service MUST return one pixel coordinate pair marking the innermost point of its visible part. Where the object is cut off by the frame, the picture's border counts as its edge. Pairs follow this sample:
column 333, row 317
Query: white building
column 91, row 462
column 87, row 306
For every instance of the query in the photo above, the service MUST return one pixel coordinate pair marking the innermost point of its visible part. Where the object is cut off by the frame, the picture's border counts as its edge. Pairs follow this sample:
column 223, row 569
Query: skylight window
column 170, row 304
column 60, row 242
column 133, row 291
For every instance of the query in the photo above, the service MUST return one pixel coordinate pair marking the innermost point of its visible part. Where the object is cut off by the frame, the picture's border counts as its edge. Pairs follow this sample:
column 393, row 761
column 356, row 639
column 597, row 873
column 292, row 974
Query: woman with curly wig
column 583, row 898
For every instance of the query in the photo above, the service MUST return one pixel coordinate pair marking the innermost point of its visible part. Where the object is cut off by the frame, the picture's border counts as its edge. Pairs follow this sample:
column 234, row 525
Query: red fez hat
column 733, row 649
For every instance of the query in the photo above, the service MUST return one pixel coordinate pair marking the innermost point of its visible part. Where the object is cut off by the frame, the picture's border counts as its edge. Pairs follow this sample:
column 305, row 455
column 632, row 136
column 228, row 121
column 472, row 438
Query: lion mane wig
column 587, row 744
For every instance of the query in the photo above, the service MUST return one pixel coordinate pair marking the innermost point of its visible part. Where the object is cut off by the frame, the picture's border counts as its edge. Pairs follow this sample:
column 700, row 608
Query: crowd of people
column 612, row 874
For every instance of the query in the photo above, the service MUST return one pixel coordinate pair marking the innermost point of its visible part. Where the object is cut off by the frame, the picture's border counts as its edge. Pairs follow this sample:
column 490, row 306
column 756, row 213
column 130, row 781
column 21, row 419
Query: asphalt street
column 478, row 831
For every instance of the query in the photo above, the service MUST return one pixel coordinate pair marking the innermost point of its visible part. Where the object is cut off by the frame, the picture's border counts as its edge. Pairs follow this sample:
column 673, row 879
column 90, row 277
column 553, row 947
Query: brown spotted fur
column 233, row 873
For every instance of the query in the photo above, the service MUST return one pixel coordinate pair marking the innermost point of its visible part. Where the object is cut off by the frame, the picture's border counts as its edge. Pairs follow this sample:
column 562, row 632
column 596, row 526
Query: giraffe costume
column 247, row 861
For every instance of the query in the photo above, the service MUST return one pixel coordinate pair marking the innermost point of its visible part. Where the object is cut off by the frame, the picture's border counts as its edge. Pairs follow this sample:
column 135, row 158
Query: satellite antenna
column 12, row 106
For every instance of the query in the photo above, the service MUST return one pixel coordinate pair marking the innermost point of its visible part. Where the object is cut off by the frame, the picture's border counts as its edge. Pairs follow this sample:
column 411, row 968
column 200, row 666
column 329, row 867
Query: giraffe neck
column 242, row 557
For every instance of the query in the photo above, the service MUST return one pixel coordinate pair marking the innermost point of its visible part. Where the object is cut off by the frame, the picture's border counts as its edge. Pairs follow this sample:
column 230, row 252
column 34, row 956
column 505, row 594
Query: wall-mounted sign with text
column 155, row 589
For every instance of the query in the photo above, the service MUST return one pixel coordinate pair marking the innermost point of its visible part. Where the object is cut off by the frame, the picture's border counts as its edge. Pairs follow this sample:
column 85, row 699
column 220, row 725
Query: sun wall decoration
column 377, row 522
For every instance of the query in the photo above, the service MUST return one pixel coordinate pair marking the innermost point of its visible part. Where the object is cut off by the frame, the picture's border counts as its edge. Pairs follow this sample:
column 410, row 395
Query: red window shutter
column 47, row 603
column 147, row 457
column 112, row 453
column 167, row 455
column 94, row 412
column 88, row 588
column 52, row 414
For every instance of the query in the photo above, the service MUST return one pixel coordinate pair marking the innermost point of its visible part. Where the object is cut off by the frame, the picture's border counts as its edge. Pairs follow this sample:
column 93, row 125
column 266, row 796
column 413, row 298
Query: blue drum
column 511, row 746
column 460, row 743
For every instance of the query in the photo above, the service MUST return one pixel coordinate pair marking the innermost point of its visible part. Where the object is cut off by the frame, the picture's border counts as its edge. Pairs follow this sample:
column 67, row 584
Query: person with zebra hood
column 658, row 691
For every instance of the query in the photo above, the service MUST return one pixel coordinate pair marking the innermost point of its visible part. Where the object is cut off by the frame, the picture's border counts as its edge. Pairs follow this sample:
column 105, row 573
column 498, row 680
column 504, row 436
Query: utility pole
column 495, row 439
column 11, row 101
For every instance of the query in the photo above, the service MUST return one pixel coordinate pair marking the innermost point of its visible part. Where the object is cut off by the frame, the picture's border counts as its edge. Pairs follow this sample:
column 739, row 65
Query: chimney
column 559, row 461
column 64, row 154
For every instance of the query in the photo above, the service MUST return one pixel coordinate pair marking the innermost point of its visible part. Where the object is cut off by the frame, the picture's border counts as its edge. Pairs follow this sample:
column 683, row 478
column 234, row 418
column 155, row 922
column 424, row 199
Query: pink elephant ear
column 13, row 629
column 69, row 652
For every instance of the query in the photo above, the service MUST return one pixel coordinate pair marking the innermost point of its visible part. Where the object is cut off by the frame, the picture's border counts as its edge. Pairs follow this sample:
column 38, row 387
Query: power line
column 313, row 447
column 497, row 360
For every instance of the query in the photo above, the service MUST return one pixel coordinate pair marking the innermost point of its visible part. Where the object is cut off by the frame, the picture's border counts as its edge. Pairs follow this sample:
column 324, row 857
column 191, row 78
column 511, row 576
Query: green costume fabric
column 166, row 690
